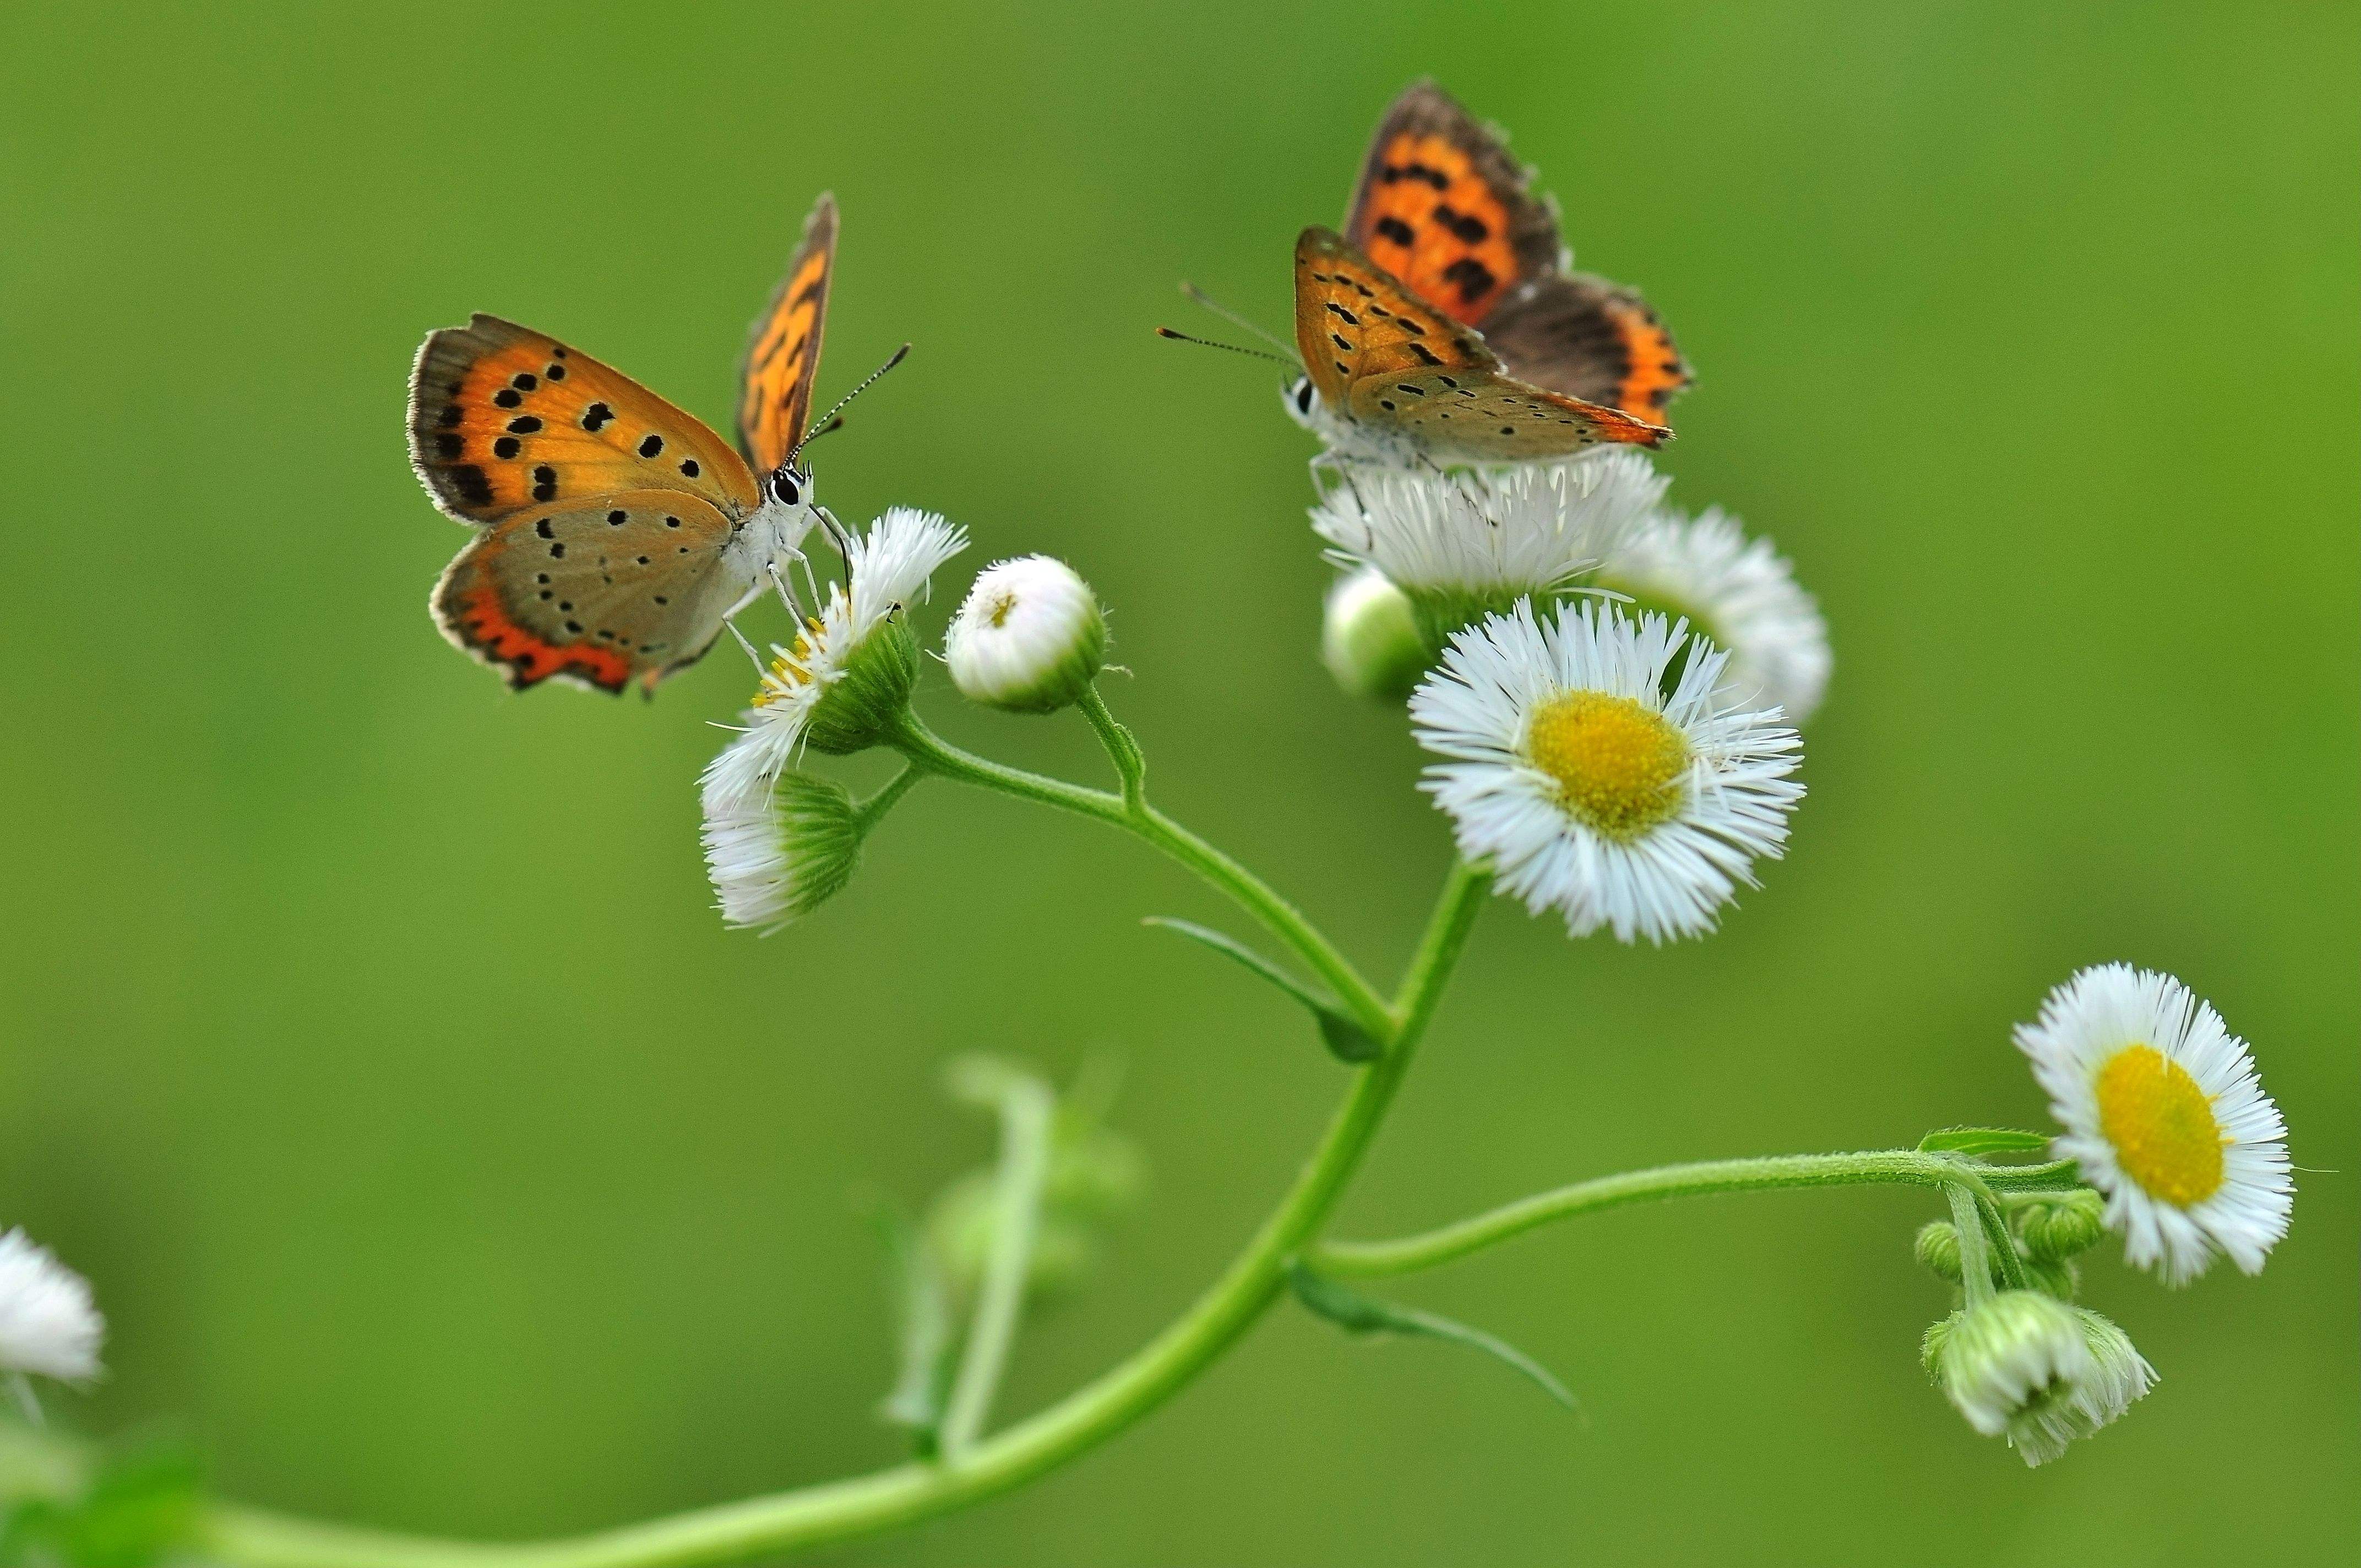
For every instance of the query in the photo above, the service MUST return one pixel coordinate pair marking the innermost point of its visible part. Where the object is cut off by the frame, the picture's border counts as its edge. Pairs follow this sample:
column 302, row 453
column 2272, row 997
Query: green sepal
column 1979, row 1141
column 1345, row 1038
column 867, row 704
column 1359, row 1314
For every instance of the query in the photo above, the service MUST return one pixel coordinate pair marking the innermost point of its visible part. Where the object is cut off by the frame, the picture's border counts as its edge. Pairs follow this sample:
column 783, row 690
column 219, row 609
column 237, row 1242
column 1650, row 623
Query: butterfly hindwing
column 783, row 351
column 1590, row 339
column 1489, row 418
column 503, row 418
column 600, row 591
column 1443, row 206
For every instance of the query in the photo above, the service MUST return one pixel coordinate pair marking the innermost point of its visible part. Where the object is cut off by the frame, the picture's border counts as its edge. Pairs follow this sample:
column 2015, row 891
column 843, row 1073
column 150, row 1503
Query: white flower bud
column 777, row 854
column 1030, row 637
column 1369, row 637
column 47, row 1321
column 2026, row 1367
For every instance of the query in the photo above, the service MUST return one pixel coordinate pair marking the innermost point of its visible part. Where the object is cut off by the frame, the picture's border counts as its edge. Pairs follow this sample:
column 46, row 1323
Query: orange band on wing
column 1432, row 221
column 479, row 619
column 1657, row 372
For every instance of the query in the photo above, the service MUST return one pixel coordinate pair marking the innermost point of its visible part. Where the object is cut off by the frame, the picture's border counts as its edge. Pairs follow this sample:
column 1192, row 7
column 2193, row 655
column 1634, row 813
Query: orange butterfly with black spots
column 615, row 533
column 1442, row 325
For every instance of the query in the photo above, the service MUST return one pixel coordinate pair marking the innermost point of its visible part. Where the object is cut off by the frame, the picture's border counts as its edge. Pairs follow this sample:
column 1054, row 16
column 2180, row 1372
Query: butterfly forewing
column 503, row 418
column 1353, row 321
column 1488, row 418
column 599, row 592
column 783, row 351
column 1443, row 206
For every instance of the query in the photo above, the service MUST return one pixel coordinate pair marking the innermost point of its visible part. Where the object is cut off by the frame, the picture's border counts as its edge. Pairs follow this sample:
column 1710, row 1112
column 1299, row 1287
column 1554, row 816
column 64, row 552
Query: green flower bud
column 864, row 706
column 1938, row 1247
column 1369, row 637
column 1030, row 637
column 2063, row 1226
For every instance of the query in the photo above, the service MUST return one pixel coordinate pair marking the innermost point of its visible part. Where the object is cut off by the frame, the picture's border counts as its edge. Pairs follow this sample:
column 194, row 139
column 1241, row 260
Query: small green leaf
column 1982, row 1141
column 1359, row 1314
column 1344, row 1037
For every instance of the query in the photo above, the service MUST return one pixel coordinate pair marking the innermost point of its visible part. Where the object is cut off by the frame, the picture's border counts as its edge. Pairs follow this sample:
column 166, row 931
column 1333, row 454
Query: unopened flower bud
column 2063, row 1226
column 1369, row 637
column 1938, row 1247
column 2021, row 1365
column 1030, row 637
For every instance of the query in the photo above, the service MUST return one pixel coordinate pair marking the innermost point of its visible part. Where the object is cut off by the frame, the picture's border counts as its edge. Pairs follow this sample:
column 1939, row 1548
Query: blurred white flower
column 48, row 1325
column 1743, row 594
column 1029, row 637
column 841, row 678
column 1369, row 637
column 2163, row 1112
column 1491, row 534
column 1592, row 791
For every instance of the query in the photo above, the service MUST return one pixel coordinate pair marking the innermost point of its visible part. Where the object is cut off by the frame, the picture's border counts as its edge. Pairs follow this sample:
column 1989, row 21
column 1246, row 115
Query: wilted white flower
column 779, row 854
column 851, row 669
column 1369, row 637
column 1489, row 537
column 1589, row 790
column 47, row 1323
column 2165, row 1116
column 1030, row 636
column 1739, row 592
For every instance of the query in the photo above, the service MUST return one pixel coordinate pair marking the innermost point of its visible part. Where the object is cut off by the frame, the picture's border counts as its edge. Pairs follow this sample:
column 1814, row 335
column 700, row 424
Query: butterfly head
column 790, row 485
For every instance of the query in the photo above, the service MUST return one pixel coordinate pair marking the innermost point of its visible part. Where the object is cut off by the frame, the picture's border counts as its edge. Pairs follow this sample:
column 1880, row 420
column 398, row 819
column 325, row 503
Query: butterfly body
column 615, row 531
column 1449, row 279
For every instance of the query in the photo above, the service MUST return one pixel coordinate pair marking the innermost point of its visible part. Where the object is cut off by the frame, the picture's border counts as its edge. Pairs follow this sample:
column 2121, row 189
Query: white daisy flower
column 841, row 679
column 1029, row 637
column 47, row 1323
column 1590, row 791
column 2164, row 1114
column 1742, row 593
column 776, row 857
column 1490, row 535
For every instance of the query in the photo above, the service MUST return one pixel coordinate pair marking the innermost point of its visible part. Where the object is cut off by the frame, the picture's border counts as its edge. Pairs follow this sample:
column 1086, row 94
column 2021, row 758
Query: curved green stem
column 1026, row 1109
column 866, row 1505
column 1131, row 812
column 1409, row 1253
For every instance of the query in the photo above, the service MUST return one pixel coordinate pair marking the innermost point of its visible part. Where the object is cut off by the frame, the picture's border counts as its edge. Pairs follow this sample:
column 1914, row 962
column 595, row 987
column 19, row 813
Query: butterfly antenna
column 1291, row 362
column 1199, row 297
column 827, row 420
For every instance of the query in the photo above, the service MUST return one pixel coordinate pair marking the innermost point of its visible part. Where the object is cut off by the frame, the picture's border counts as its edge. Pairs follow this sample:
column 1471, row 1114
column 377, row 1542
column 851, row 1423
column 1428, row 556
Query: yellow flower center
column 788, row 670
column 1616, row 763
column 2161, row 1125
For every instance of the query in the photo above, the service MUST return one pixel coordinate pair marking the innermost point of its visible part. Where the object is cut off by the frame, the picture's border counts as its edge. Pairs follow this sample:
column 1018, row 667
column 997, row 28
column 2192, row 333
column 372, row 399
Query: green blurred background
column 441, row 1163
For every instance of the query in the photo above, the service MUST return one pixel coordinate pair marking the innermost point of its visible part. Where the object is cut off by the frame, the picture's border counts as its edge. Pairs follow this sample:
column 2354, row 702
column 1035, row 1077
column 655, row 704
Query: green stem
column 930, row 751
column 1409, row 1253
column 893, row 790
column 1026, row 1106
column 868, row 1505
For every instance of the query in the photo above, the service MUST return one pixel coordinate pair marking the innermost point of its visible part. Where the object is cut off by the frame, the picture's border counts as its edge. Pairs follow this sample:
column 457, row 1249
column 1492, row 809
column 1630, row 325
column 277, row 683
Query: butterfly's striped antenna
column 1197, row 296
column 1291, row 361
column 829, row 422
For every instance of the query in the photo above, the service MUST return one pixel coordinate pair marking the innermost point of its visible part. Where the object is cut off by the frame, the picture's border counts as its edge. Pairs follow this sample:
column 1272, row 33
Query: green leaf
column 1359, row 1314
column 1982, row 1141
column 1344, row 1037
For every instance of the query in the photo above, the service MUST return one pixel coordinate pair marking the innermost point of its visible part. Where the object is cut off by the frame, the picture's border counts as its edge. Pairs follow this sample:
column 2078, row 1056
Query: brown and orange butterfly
column 1441, row 324
column 615, row 533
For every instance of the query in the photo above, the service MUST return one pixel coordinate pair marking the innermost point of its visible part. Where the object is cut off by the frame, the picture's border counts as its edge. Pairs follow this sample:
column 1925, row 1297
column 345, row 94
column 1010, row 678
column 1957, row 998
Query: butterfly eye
column 1302, row 395
column 789, row 486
